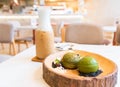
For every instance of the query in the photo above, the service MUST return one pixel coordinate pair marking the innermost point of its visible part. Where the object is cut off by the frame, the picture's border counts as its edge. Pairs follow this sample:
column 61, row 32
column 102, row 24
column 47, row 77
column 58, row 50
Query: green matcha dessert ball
column 70, row 60
column 87, row 65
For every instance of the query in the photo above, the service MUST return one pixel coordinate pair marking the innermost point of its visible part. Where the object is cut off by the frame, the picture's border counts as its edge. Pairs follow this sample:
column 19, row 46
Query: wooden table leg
column 114, row 37
column 33, row 36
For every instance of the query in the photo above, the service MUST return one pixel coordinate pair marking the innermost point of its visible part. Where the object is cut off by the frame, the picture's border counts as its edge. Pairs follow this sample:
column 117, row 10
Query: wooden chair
column 84, row 33
column 7, row 36
column 21, row 37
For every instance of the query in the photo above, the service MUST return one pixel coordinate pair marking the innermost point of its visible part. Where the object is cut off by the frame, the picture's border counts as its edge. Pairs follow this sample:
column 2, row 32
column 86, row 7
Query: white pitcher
column 44, row 36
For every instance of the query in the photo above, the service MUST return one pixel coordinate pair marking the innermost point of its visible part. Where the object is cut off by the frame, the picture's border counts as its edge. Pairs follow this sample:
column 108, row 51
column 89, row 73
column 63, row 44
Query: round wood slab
column 58, row 77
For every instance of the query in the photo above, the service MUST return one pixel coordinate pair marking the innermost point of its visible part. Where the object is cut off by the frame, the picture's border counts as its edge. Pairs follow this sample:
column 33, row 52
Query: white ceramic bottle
column 44, row 36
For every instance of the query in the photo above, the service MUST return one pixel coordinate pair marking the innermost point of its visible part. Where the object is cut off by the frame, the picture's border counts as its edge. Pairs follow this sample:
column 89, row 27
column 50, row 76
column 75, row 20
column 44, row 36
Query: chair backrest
column 118, row 35
column 6, row 33
column 14, row 23
column 84, row 33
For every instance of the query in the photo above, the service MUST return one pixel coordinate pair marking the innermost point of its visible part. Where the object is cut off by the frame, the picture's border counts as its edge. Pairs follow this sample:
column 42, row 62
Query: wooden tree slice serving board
column 57, row 77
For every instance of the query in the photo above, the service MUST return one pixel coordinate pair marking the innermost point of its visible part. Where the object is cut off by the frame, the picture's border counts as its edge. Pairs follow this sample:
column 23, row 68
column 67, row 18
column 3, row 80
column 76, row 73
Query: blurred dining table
column 21, row 71
column 111, row 29
column 32, row 27
column 29, row 27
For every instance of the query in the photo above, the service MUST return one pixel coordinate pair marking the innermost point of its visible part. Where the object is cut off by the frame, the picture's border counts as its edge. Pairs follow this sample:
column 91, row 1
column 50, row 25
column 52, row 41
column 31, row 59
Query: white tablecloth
column 110, row 28
column 20, row 71
column 27, row 27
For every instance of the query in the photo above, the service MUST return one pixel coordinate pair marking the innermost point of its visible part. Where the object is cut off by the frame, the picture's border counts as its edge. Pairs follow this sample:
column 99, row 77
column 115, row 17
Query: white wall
column 103, row 12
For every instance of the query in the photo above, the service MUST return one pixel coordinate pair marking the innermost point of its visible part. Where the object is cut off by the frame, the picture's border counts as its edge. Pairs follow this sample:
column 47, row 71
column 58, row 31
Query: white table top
column 105, row 28
column 27, row 27
column 20, row 71
column 66, row 18
column 110, row 28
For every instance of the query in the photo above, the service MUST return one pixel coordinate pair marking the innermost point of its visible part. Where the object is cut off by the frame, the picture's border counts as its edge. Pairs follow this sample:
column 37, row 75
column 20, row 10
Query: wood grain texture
column 59, row 79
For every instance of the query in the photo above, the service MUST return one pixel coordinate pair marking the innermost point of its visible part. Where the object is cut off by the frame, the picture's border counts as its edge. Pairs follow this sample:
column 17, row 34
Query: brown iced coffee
column 44, row 43
column 44, row 36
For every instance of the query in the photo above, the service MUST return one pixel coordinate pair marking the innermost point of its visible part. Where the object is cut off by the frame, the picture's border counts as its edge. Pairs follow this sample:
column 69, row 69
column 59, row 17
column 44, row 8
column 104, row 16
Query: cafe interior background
column 101, row 12
column 23, row 69
column 91, row 9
